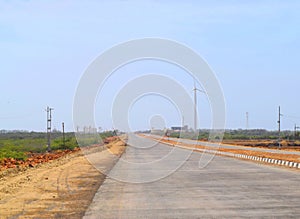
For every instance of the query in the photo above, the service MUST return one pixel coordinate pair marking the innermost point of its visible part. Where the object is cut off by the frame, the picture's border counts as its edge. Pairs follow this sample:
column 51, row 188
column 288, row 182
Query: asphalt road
column 225, row 188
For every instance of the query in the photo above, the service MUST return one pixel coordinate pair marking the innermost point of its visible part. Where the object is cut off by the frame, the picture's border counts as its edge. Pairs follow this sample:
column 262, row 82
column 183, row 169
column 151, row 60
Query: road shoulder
column 62, row 188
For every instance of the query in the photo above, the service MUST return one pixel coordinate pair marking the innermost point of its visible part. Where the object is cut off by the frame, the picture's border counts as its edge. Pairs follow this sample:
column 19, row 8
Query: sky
column 252, row 47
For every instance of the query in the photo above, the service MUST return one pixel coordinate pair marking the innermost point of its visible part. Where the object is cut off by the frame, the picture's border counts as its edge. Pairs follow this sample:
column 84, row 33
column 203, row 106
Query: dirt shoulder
column 263, row 154
column 61, row 188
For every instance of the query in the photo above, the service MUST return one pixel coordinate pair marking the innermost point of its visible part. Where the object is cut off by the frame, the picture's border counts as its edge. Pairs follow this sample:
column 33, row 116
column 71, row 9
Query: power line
column 291, row 117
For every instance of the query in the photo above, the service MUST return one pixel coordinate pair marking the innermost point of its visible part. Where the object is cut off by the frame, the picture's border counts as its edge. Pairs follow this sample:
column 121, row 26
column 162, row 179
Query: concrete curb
column 243, row 156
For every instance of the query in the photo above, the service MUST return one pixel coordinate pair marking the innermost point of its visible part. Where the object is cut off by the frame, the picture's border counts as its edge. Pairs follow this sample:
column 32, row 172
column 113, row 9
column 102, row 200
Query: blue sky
column 252, row 46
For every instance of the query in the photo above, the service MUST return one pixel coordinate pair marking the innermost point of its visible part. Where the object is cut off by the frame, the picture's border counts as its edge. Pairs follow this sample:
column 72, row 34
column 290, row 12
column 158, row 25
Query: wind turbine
column 195, row 104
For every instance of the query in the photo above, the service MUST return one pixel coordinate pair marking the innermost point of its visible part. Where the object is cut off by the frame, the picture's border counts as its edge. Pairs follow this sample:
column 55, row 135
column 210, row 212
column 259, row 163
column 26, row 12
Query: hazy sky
column 252, row 46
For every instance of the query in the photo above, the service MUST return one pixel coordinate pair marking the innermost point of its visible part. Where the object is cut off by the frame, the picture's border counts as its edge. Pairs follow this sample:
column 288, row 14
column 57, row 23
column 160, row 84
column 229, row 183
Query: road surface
column 226, row 188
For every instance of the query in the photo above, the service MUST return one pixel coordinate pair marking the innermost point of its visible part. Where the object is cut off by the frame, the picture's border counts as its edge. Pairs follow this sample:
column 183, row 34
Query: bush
column 7, row 153
column 58, row 144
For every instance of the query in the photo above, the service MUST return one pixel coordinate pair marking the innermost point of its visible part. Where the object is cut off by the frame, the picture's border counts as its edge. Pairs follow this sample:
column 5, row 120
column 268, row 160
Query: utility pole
column 247, row 120
column 63, row 129
column 49, row 118
column 195, row 105
column 279, row 123
column 295, row 130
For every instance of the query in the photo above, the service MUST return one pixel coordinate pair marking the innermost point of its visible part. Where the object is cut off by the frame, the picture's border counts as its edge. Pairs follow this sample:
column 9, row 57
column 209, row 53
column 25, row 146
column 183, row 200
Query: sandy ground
column 62, row 188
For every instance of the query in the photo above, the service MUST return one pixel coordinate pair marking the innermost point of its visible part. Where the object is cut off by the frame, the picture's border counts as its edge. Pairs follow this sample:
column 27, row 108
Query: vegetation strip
column 28, row 149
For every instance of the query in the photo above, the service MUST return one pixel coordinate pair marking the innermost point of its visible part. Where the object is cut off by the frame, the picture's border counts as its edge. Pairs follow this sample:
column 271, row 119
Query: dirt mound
column 110, row 139
column 38, row 158
column 34, row 159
